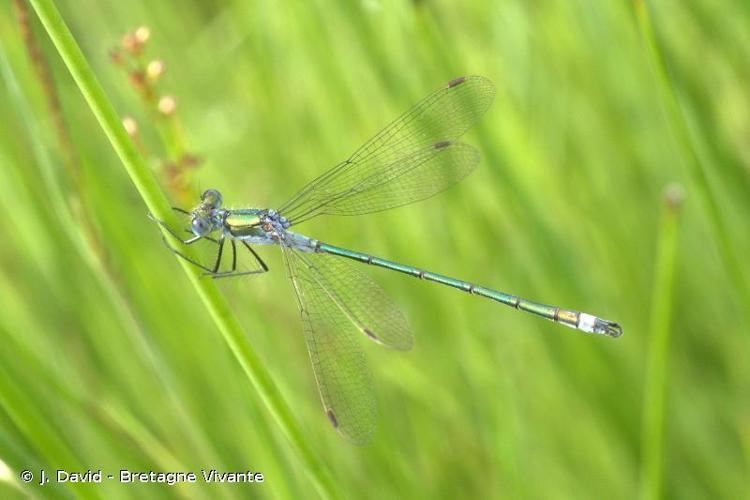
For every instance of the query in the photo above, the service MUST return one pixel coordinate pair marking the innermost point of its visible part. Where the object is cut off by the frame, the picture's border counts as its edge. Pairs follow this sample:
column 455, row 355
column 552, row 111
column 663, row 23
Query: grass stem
column 157, row 204
column 652, row 437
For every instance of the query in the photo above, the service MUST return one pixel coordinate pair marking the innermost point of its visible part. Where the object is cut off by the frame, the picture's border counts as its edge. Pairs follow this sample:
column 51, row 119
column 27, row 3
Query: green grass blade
column 652, row 438
column 8, row 477
column 698, row 170
column 157, row 203
column 25, row 415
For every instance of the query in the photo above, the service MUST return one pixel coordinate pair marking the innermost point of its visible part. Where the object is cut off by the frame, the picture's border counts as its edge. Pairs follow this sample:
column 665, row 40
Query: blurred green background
column 109, row 360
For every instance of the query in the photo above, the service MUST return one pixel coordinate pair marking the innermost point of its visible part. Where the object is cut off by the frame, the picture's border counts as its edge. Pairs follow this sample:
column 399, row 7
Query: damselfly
column 413, row 158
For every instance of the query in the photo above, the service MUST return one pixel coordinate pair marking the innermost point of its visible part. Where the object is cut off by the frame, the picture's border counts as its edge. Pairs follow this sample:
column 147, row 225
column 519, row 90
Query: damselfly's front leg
column 170, row 231
column 188, row 241
column 172, row 249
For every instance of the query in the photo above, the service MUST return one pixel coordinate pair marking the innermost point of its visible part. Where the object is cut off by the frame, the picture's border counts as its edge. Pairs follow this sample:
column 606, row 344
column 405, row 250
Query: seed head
column 167, row 105
column 131, row 127
column 115, row 55
column 674, row 195
column 155, row 69
column 137, row 79
column 133, row 42
column 142, row 34
column 130, row 43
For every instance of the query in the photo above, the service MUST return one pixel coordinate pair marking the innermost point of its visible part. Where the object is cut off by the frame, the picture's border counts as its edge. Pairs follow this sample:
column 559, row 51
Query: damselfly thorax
column 258, row 226
column 254, row 225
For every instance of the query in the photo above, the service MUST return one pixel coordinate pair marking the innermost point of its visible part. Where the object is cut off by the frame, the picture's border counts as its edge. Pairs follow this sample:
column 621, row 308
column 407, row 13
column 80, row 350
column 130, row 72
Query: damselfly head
column 211, row 199
column 205, row 217
column 201, row 225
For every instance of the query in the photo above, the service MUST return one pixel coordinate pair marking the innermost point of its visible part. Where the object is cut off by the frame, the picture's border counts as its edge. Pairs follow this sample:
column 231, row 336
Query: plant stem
column 652, row 436
column 157, row 203
column 64, row 207
column 697, row 169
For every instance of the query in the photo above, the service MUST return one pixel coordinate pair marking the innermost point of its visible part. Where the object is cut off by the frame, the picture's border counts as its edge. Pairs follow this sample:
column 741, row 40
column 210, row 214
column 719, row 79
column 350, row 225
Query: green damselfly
column 415, row 157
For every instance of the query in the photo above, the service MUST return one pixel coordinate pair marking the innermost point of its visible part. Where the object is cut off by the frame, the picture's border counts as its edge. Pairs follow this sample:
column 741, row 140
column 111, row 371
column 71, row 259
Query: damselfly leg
column 212, row 272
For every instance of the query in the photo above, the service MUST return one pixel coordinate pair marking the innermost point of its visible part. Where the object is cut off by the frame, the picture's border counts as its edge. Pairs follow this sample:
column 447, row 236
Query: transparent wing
column 418, row 150
column 362, row 300
column 338, row 362
column 423, row 174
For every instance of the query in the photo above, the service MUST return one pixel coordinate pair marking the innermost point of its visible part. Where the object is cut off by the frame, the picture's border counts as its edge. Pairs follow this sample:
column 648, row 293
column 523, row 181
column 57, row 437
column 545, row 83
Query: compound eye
column 212, row 198
column 200, row 226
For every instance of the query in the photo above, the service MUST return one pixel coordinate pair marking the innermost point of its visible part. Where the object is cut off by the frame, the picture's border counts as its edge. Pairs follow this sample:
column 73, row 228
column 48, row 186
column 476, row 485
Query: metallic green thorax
column 552, row 313
column 244, row 222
